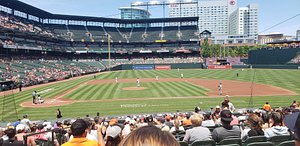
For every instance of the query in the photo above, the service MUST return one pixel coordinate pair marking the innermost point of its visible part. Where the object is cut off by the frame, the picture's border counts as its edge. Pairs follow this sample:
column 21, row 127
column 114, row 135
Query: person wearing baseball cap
column 227, row 130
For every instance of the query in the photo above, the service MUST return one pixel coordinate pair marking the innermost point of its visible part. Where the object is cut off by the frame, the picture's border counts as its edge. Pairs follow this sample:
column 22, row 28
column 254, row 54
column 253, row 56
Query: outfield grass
column 288, row 79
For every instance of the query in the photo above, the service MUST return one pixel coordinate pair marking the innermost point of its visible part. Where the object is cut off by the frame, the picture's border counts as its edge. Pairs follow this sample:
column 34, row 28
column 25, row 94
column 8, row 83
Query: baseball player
column 181, row 75
column 220, row 88
column 156, row 78
column 116, row 79
column 138, row 82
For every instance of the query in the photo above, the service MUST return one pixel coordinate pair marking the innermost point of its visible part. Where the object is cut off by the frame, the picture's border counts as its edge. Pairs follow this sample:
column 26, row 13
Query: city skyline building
column 213, row 14
column 244, row 21
column 134, row 13
column 298, row 35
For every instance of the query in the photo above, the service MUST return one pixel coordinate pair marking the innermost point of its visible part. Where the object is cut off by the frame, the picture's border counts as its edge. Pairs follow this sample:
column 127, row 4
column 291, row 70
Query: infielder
column 156, row 78
column 116, row 79
column 220, row 88
column 138, row 82
column 181, row 75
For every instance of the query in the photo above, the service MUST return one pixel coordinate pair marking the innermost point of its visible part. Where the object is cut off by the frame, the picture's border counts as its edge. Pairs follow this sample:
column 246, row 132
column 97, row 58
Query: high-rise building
column 244, row 21
column 298, row 35
column 134, row 13
column 213, row 14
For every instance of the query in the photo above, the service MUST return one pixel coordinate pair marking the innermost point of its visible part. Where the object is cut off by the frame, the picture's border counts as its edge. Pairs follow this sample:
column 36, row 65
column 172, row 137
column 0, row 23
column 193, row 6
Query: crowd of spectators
column 296, row 60
column 155, row 60
column 158, row 129
column 32, row 72
column 10, row 22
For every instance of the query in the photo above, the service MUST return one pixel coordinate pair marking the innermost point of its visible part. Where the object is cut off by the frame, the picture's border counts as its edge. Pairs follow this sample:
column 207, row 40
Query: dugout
column 6, row 85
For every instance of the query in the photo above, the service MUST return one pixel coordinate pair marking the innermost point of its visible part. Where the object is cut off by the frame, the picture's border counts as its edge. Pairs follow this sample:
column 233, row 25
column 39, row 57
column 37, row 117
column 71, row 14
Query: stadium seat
column 279, row 138
column 287, row 143
column 230, row 141
column 261, row 144
column 41, row 142
column 255, row 139
column 183, row 143
column 187, row 127
column 204, row 143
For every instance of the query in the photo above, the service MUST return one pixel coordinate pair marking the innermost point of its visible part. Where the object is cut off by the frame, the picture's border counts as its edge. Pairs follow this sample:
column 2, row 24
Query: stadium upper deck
column 25, row 24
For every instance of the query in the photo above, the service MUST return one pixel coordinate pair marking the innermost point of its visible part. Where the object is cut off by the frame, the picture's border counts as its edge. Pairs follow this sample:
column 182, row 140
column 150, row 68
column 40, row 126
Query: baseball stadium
column 164, row 68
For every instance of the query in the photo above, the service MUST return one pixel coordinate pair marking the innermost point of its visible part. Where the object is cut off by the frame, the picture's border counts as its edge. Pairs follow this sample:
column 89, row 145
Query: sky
column 271, row 12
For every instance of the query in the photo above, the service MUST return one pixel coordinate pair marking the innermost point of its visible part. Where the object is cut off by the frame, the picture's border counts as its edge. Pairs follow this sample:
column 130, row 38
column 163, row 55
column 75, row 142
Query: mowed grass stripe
column 98, row 94
column 161, row 89
column 116, row 93
column 79, row 92
column 113, row 91
column 192, row 88
column 185, row 89
column 177, row 89
column 90, row 93
column 107, row 92
column 154, row 91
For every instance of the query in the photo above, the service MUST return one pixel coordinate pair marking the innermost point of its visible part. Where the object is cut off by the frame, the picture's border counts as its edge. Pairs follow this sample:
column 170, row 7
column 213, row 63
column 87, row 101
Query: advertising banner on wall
column 162, row 67
column 143, row 67
column 219, row 67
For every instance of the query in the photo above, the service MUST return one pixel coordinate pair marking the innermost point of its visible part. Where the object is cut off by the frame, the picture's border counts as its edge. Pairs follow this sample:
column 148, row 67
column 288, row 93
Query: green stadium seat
column 254, row 139
column 287, row 143
column 261, row 144
column 204, row 143
column 280, row 138
column 229, row 141
column 183, row 143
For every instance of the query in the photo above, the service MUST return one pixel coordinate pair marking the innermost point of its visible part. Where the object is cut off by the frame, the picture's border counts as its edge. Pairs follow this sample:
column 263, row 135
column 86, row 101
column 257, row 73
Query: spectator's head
column 113, row 122
column 254, row 121
column 113, row 131
column 226, row 117
column 225, row 105
column 292, row 122
column 276, row 119
column 267, row 102
column 197, row 109
column 79, row 128
column 20, row 128
column 196, row 119
column 218, row 109
column 10, row 133
column 149, row 135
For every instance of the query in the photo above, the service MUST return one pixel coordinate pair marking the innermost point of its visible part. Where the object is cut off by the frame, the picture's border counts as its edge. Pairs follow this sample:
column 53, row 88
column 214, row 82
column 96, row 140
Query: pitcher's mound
column 134, row 88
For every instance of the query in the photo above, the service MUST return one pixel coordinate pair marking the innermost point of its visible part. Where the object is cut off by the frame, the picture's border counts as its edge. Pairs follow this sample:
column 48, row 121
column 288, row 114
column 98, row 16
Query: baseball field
column 86, row 95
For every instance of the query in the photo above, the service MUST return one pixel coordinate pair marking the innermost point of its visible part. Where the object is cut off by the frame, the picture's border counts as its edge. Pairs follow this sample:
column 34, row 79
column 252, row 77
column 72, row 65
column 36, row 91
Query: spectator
column 216, row 115
column 177, row 126
column 160, row 123
column 277, row 126
column 227, row 130
column 255, row 127
column 197, row 133
column 150, row 136
column 11, row 133
column 295, row 104
column 79, row 130
column 113, row 135
column 267, row 107
column 187, row 121
column 20, row 129
column 230, row 105
column 208, row 121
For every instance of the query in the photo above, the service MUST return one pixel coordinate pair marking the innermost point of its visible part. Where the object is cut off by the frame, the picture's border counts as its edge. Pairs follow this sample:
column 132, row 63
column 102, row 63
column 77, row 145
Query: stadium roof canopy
column 23, row 7
column 31, row 10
